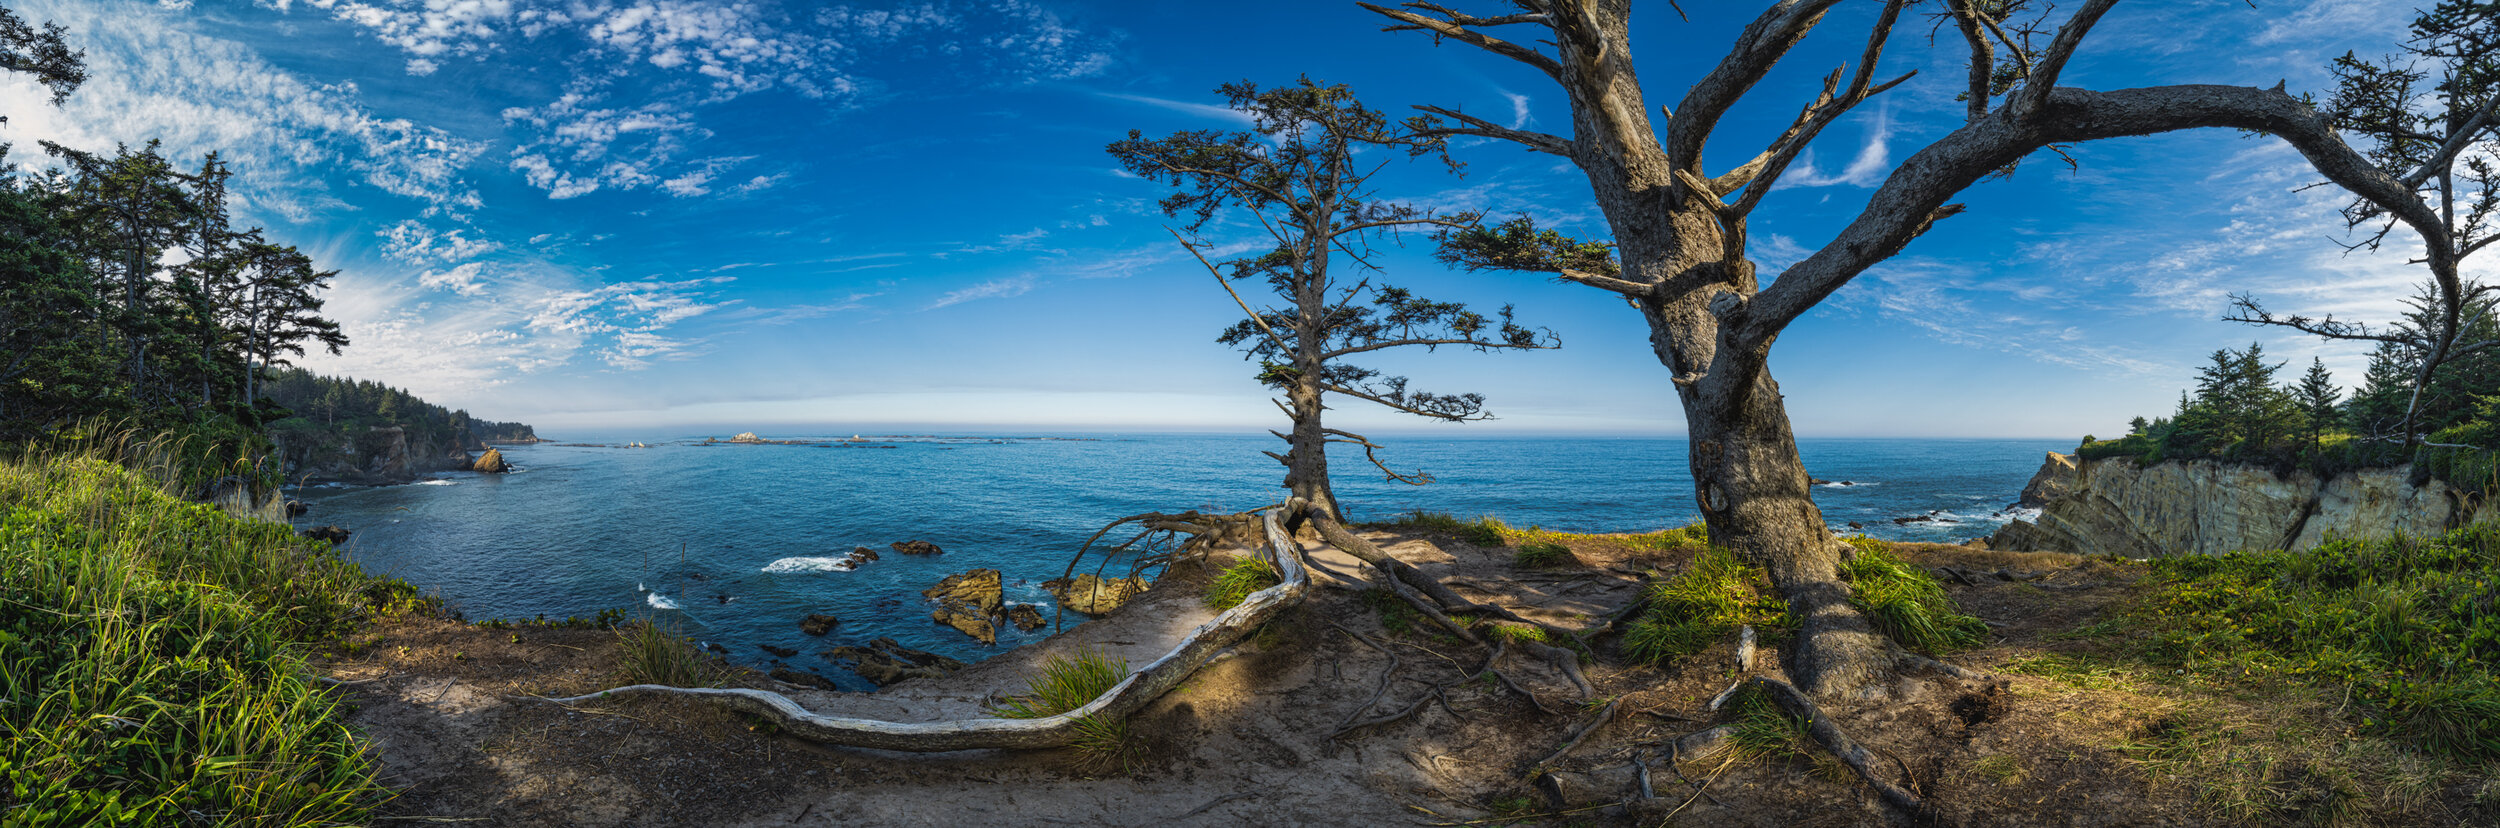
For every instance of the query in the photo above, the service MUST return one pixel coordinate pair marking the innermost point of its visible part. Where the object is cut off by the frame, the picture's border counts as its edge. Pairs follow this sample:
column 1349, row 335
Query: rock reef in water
column 969, row 602
column 2112, row 506
column 1093, row 595
column 885, row 662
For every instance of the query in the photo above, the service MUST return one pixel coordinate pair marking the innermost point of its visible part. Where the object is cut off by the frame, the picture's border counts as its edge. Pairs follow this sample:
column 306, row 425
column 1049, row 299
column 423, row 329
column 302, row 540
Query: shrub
column 1237, row 582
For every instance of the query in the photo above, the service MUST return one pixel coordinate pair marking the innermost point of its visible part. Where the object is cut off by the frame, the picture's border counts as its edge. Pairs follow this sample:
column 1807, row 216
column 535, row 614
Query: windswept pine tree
column 1299, row 174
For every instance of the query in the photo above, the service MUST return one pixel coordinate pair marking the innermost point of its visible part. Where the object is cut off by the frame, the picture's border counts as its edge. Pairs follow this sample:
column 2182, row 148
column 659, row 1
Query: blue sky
column 664, row 217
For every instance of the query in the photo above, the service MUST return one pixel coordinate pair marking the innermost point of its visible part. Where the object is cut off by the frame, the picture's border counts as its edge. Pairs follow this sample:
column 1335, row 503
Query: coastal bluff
column 2114, row 506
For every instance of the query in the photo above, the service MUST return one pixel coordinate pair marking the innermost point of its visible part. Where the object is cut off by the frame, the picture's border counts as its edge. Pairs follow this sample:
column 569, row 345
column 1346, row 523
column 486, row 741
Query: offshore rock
column 335, row 534
column 885, row 662
column 818, row 624
column 916, row 547
column 1026, row 617
column 1092, row 595
column 491, row 462
column 966, row 619
column 2207, row 507
column 982, row 588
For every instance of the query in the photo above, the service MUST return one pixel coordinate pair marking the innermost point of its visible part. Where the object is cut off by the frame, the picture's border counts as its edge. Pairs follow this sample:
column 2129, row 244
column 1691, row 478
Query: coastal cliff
column 2113, row 506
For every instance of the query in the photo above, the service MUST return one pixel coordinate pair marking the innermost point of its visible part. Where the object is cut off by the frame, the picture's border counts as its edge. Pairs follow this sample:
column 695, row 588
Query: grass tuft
column 1483, row 531
column 1070, row 682
column 1702, row 607
column 1905, row 602
column 656, row 652
column 1237, row 582
column 1543, row 555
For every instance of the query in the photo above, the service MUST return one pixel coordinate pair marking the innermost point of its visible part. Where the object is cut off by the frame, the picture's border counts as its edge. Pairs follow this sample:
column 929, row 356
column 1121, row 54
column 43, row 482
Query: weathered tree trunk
column 1306, row 455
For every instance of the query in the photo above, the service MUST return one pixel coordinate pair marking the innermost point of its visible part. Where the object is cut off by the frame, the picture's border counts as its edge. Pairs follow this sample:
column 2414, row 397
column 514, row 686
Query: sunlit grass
column 152, row 657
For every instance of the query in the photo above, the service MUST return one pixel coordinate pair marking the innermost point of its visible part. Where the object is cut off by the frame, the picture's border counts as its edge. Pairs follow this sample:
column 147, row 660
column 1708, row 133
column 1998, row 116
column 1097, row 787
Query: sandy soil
column 1249, row 739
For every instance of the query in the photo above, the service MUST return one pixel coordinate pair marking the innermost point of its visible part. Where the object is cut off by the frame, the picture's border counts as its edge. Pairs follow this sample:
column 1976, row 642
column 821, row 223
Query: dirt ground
column 1260, row 737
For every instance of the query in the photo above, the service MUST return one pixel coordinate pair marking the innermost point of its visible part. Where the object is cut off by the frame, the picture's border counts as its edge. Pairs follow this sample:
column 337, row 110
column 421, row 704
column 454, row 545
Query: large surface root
column 1132, row 693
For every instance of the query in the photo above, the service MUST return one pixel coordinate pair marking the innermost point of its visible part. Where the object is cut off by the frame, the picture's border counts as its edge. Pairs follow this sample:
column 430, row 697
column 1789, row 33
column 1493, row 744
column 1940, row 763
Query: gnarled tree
column 2430, row 118
column 1297, row 174
column 1681, row 231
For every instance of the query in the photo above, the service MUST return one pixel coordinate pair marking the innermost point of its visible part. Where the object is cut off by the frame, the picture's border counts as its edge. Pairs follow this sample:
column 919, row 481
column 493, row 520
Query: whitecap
column 658, row 601
column 438, row 483
column 788, row 566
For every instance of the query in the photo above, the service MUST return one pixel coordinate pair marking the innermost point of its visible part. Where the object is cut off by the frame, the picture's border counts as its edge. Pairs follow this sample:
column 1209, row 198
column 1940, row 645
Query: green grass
column 1905, row 602
column 1237, row 582
column 152, row 657
column 1070, row 682
column 659, row 653
column 1542, row 555
column 1483, row 531
column 2408, row 628
column 1702, row 607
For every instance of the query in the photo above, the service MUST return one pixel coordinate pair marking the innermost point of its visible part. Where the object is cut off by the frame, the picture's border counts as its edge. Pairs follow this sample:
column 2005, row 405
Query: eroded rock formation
column 2113, row 506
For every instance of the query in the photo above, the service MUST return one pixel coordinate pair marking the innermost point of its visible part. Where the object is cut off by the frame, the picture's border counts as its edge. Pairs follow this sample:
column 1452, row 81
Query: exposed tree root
column 1903, row 804
column 1581, row 735
column 1201, row 646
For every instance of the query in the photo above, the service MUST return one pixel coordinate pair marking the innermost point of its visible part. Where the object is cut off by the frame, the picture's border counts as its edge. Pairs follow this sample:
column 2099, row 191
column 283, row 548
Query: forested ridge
column 131, row 302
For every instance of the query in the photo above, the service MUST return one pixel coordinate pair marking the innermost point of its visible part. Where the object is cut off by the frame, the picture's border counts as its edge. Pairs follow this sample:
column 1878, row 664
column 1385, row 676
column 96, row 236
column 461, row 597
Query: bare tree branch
column 1763, row 43
column 1479, row 127
column 2043, row 80
column 1908, row 201
column 1458, row 31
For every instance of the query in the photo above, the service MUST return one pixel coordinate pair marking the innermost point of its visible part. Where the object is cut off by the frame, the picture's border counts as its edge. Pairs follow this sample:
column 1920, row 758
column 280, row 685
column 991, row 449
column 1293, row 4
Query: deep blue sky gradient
column 617, row 215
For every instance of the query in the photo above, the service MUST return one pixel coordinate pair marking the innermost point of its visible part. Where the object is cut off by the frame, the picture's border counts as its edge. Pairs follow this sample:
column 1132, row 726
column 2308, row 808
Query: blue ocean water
column 734, row 542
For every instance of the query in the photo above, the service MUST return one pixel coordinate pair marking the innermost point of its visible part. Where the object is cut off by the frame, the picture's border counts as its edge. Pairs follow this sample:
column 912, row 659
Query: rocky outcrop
column 970, row 603
column 380, row 454
column 916, row 547
column 335, row 534
column 885, row 662
column 2055, row 479
column 1092, row 595
column 2112, row 506
column 1026, row 617
column 982, row 588
column 491, row 462
column 818, row 623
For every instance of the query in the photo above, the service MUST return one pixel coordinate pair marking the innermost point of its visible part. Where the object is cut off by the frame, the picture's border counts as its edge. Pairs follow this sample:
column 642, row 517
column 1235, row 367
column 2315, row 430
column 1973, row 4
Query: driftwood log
column 1131, row 694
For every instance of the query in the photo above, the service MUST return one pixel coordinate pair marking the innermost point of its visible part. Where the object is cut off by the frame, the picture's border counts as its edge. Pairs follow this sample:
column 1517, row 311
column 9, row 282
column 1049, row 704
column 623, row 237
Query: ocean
column 735, row 543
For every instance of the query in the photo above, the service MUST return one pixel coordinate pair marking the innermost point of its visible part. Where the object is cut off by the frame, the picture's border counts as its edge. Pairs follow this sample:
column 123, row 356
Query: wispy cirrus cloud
column 993, row 289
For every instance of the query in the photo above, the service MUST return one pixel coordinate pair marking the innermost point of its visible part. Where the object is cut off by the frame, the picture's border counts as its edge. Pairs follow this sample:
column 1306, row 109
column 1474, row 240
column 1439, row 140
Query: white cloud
column 993, row 289
column 284, row 136
column 465, row 279
column 1518, row 110
column 1873, row 162
column 412, row 242
column 1208, row 111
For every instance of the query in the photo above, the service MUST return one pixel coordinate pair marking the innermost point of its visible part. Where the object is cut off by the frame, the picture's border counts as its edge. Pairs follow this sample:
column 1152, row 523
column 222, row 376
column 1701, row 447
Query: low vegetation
column 1236, row 583
column 1069, row 682
column 152, row 658
column 655, row 652
column 1905, row 602
column 1542, row 555
column 2409, row 629
column 1702, row 607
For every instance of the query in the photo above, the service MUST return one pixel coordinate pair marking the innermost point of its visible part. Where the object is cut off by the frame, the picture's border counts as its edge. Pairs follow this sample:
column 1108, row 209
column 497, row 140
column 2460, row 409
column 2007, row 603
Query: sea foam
column 438, row 483
column 788, row 566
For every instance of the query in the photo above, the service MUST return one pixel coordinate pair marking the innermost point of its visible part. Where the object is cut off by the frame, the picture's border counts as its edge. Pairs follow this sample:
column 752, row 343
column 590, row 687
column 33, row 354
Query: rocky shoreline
column 2114, row 506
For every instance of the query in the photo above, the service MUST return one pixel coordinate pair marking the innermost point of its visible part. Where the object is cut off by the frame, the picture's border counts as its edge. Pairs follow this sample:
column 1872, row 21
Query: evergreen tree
column 2317, row 396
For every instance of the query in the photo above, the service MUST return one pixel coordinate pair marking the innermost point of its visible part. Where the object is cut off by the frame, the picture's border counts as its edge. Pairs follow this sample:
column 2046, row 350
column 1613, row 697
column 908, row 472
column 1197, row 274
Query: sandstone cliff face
column 2203, row 507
